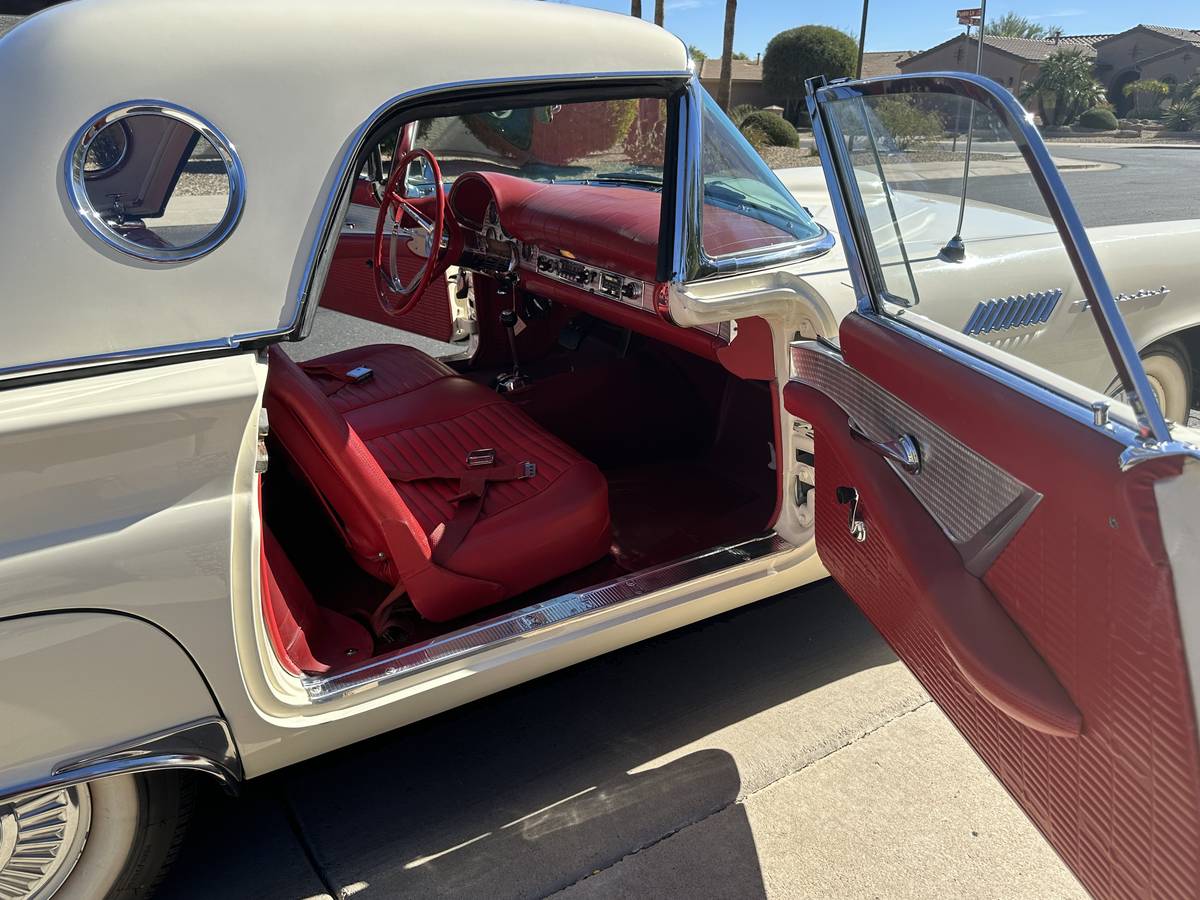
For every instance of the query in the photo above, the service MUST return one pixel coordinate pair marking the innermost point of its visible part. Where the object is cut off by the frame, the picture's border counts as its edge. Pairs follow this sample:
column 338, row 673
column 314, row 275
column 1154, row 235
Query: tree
column 800, row 53
column 635, row 8
column 1065, row 87
column 1147, row 96
column 659, row 12
column 726, row 86
column 697, row 55
column 1054, row 33
column 738, row 54
column 1013, row 24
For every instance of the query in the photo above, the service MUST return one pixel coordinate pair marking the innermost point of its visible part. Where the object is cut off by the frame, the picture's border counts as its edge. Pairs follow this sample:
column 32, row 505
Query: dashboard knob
column 632, row 290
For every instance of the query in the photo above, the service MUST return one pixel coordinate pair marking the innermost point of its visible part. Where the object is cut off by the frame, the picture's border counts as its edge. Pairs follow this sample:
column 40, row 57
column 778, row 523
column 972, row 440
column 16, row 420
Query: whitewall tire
column 1170, row 375
column 112, row 838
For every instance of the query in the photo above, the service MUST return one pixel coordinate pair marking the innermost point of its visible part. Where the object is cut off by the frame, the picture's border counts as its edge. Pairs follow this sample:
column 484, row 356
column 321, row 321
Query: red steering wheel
column 421, row 241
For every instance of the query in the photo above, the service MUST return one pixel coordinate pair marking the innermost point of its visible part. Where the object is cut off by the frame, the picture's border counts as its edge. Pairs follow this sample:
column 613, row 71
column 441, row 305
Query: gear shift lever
column 514, row 380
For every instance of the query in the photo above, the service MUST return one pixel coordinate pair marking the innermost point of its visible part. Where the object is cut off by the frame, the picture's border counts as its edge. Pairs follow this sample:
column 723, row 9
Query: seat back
column 342, row 471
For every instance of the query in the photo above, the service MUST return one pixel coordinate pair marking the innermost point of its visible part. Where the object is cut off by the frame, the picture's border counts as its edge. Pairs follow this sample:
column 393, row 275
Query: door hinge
column 260, row 454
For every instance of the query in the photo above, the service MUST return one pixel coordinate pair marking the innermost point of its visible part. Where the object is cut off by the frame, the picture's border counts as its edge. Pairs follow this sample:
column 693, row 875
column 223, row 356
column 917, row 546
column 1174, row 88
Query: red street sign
column 969, row 13
column 969, row 20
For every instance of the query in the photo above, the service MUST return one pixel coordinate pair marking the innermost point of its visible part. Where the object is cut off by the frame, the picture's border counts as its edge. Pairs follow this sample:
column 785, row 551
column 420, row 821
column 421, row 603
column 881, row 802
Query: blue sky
column 894, row 25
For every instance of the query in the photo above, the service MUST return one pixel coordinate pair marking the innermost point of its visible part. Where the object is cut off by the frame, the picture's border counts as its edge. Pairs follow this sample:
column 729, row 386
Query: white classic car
column 220, row 555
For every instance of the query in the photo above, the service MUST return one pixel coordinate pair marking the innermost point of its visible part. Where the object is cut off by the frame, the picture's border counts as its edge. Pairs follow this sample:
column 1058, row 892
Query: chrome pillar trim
column 686, row 253
column 1151, row 423
column 536, row 619
column 203, row 746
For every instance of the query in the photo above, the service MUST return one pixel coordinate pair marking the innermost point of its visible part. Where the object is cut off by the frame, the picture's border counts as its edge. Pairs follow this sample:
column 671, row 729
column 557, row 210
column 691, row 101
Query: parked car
column 220, row 555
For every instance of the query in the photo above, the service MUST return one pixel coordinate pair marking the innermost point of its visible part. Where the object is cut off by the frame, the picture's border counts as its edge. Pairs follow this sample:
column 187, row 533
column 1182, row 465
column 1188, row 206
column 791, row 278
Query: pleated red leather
column 528, row 532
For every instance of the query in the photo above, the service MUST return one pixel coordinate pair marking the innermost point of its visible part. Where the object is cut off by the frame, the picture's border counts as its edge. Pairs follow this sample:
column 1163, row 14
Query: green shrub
column 1098, row 117
column 779, row 131
column 1181, row 115
column 906, row 123
column 739, row 113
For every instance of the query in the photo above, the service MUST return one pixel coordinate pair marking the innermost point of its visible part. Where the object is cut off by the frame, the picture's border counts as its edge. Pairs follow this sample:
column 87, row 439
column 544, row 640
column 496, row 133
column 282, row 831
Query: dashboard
column 598, row 241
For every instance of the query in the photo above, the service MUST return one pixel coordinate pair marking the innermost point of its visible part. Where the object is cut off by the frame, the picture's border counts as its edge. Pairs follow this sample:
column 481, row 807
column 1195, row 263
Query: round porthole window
column 155, row 181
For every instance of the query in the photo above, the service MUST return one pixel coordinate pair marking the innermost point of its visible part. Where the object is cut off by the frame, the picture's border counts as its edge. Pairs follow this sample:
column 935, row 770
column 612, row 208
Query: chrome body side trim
column 1017, row 311
column 75, row 180
column 535, row 619
column 1151, row 424
column 203, row 746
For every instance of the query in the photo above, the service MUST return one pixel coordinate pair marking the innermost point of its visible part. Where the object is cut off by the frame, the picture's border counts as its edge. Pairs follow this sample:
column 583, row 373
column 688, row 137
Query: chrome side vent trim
column 523, row 622
column 1017, row 311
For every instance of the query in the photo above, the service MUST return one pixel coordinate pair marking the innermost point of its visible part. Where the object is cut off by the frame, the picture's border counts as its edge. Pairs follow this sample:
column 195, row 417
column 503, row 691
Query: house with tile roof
column 1144, row 51
column 746, row 85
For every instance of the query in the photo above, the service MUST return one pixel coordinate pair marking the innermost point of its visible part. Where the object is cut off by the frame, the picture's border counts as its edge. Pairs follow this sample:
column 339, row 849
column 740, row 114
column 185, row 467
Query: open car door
column 1025, row 542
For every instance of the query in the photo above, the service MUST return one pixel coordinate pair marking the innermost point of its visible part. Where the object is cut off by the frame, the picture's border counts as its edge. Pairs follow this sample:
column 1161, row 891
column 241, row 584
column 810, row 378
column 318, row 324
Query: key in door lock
column 858, row 528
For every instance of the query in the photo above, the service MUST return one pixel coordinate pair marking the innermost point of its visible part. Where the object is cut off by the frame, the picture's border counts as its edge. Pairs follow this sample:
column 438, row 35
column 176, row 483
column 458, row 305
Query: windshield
column 605, row 141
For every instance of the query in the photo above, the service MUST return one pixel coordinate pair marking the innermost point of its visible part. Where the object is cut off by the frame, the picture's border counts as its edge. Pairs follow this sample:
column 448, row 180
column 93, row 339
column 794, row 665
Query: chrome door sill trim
column 202, row 746
column 521, row 623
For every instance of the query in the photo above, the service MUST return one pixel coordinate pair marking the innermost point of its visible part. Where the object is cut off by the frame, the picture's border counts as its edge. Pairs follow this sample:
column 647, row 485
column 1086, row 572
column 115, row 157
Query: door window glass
column 991, row 269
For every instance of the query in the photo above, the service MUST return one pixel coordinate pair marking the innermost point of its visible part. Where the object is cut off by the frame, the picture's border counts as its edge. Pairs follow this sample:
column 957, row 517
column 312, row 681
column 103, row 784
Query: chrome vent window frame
column 76, row 177
column 690, row 262
column 1151, row 428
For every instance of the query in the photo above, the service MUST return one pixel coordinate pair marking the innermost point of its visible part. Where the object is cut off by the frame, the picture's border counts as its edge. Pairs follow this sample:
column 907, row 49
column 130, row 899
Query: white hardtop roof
column 288, row 82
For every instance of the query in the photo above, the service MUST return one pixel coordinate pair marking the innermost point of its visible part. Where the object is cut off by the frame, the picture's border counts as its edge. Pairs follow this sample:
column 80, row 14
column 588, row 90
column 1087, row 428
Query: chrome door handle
column 904, row 451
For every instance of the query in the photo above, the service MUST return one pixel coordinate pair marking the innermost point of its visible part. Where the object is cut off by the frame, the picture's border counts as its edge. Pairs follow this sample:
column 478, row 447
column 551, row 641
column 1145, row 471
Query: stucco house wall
column 959, row 56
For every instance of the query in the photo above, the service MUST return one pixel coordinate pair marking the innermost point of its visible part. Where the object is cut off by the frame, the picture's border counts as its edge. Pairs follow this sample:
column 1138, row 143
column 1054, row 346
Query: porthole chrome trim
column 75, row 179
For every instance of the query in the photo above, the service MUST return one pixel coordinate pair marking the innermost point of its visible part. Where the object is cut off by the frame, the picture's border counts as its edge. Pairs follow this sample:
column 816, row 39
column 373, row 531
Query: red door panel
column 1082, row 611
column 350, row 288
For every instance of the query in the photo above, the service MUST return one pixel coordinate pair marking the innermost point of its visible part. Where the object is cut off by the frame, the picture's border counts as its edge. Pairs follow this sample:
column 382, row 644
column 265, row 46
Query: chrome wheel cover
column 41, row 839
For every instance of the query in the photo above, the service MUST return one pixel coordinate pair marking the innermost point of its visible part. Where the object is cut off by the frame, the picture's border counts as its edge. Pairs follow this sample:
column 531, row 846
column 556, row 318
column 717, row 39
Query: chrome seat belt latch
column 476, row 459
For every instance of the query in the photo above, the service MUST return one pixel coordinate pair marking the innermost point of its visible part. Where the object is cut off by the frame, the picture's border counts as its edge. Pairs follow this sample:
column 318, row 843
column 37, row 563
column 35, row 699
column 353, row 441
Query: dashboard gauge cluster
column 602, row 282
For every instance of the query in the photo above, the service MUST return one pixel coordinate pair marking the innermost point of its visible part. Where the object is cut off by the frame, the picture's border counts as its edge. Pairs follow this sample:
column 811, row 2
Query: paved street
column 1149, row 184
column 776, row 751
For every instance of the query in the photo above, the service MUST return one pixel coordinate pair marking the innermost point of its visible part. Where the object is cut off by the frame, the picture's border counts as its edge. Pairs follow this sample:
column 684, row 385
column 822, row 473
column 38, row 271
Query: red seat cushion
column 311, row 638
column 418, row 418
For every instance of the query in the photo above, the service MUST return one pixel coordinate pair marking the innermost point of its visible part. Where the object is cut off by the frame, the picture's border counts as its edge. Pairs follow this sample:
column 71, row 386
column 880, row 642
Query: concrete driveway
column 780, row 751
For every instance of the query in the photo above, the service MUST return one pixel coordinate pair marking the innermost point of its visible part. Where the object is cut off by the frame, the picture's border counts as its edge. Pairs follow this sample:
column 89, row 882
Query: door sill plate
column 538, row 617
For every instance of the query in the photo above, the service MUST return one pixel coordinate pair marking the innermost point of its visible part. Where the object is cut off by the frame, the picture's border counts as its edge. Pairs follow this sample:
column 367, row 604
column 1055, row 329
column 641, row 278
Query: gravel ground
column 7, row 23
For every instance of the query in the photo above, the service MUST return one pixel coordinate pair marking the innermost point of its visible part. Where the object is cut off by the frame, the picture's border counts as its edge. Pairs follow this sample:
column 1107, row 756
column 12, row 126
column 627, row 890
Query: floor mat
column 662, row 511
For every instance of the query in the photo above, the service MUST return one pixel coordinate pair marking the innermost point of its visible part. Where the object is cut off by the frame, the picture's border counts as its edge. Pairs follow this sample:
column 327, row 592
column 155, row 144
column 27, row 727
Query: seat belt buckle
column 359, row 374
column 528, row 470
column 478, row 458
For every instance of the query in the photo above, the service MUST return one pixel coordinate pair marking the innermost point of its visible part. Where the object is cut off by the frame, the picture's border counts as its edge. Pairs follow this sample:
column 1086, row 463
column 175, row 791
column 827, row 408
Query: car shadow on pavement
column 539, row 787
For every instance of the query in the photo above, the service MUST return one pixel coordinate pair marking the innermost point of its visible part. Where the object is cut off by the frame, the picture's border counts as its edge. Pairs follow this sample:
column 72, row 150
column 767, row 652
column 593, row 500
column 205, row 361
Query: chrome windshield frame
column 1151, row 425
column 690, row 263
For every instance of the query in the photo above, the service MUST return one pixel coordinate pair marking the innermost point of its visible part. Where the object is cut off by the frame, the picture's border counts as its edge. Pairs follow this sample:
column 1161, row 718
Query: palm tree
column 658, row 12
column 635, row 8
column 1012, row 24
column 1065, row 87
column 726, row 85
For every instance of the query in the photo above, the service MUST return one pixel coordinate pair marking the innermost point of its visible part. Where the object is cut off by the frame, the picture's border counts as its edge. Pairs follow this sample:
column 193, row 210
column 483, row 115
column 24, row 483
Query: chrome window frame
column 76, row 178
column 320, row 256
column 690, row 263
column 1150, row 429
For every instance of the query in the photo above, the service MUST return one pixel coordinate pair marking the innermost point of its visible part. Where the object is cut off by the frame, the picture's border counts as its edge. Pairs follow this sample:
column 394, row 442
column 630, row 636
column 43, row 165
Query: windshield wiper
column 647, row 178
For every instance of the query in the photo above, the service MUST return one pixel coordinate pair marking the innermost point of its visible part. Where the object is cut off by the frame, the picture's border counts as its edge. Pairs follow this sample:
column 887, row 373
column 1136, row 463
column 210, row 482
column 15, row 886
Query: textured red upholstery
column 307, row 637
column 418, row 418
